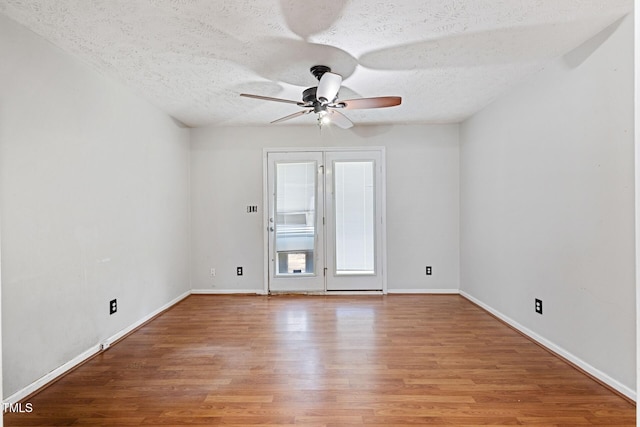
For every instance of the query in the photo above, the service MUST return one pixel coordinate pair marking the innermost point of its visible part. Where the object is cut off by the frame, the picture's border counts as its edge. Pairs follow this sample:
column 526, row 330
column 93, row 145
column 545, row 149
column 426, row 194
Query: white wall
column 422, row 201
column 94, row 206
column 1, row 418
column 636, row 68
column 547, row 206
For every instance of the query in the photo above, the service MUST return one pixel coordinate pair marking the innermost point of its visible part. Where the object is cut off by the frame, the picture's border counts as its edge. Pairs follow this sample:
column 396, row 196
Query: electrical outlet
column 113, row 306
column 239, row 271
column 213, row 272
column 538, row 306
column 428, row 270
column 252, row 209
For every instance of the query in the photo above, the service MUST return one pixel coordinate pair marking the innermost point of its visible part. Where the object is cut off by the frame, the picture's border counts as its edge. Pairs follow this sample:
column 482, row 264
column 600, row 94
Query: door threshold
column 322, row 293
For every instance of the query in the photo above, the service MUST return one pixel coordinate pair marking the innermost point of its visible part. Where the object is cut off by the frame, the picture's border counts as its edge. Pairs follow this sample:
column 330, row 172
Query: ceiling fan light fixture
column 319, row 108
column 323, row 117
column 323, row 100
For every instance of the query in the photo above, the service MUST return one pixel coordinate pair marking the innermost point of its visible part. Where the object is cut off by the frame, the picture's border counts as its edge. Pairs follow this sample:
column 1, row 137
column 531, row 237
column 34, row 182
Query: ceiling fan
column 323, row 100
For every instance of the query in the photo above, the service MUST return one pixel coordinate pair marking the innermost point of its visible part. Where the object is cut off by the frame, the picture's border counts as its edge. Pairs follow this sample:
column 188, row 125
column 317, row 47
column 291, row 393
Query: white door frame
column 265, row 213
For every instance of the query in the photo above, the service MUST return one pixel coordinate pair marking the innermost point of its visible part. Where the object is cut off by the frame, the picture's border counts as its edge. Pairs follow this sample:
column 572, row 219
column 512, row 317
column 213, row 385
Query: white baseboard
column 424, row 291
column 107, row 343
column 596, row 373
column 323, row 293
column 261, row 292
column 53, row 375
column 227, row 291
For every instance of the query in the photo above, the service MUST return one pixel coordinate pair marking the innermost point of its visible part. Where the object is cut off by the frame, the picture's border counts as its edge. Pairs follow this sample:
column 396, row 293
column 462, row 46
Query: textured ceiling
column 192, row 58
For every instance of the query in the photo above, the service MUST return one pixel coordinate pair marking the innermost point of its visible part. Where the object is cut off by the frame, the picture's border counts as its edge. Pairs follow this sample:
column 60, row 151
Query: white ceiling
column 192, row 58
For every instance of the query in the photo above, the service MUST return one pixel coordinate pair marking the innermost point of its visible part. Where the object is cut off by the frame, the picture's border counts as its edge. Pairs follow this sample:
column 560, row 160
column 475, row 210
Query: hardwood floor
column 325, row 361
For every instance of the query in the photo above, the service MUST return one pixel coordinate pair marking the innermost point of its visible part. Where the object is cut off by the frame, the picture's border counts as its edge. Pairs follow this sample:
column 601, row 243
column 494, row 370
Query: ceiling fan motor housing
column 309, row 95
column 309, row 99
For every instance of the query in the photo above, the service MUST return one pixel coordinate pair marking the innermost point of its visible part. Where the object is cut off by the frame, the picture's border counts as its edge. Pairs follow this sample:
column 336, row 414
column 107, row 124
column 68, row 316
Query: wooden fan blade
column 291, row 116
column 378, row 102
column 268, row 98
column 340, row 120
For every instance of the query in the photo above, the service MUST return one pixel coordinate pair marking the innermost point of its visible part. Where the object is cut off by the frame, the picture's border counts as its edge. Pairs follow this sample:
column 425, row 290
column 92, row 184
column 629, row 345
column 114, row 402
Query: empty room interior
column 328, row 213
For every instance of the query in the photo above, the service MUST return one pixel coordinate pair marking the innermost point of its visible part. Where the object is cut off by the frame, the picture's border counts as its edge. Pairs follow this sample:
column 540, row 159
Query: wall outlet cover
column 538, row 306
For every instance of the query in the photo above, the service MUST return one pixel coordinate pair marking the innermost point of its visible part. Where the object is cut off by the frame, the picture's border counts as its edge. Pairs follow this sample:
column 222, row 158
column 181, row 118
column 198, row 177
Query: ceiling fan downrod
column 319, row 70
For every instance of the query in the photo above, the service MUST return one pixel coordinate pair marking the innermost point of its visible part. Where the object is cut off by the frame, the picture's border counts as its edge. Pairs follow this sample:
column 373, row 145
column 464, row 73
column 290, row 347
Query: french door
column 325, row 220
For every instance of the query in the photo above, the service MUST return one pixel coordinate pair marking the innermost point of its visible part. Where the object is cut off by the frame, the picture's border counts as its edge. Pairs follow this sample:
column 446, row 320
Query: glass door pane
column 295, row 217
column 354, row 220
column 354, row 217
column 294, row 224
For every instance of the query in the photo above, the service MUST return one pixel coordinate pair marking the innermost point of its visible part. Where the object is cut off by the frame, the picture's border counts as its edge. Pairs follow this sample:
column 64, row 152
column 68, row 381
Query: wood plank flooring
column 325, row 361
